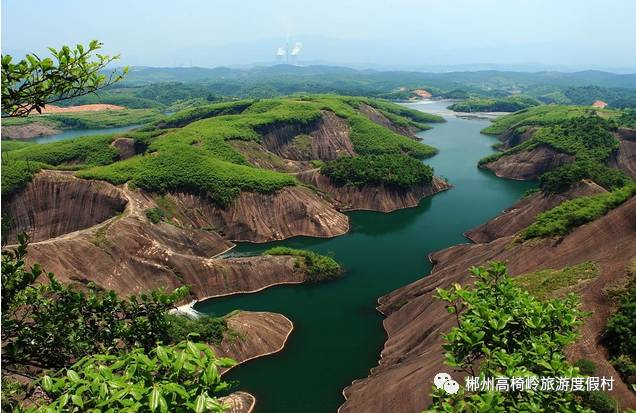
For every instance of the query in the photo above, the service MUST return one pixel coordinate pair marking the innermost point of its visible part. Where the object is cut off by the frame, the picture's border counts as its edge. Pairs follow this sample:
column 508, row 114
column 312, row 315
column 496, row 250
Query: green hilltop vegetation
column 506, row 104
column 561, row 219
column 392, row 170
column 587, row 134
column 198, row 156
column 176, row 88
column 89, row 119
column 543, row 116
column 318, row 267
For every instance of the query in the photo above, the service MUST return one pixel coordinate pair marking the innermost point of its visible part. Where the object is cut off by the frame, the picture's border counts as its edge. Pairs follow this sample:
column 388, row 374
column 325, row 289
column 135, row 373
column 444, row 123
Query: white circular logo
column 440, row 379
column 445, row 382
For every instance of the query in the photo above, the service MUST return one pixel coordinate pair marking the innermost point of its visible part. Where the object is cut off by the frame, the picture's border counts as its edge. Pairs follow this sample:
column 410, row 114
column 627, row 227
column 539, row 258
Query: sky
column 417, row 34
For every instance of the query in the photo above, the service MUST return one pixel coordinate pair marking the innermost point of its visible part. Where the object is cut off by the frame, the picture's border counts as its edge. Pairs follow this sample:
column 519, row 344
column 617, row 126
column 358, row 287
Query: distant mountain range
column 487, row 78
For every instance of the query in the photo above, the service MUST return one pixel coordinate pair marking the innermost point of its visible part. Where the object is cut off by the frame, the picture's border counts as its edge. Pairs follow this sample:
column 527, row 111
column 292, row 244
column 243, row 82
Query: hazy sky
column 399, row 33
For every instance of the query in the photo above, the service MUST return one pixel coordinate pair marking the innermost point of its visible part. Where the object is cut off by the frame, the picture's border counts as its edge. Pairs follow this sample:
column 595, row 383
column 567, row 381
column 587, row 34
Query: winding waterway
column 338, row 334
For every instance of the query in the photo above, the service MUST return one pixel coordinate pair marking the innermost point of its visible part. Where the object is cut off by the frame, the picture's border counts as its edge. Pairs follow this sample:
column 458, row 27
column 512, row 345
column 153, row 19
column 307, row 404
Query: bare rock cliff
column 28, row 131
column 512, row 137
column 377, row 117
column 57, row 203
column 325, row 139
column 523, row 213
column 373, row 197
column 253, row 335
column 257, row 217
column 129, row 254
column 529, row 165
column 625, row 158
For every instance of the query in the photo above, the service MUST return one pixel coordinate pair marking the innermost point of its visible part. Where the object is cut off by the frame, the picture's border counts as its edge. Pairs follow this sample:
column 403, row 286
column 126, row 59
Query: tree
column 111, row 354
column 32, row 83
column 504, row 331
column 48, row 324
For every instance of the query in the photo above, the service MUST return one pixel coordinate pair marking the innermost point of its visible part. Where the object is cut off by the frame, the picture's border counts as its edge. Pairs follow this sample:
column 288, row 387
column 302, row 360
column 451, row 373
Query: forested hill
column 173, row 89
column 489, row 78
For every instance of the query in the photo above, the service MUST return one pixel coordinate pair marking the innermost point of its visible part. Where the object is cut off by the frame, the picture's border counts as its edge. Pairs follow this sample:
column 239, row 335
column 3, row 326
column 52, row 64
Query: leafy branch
column 33, row 82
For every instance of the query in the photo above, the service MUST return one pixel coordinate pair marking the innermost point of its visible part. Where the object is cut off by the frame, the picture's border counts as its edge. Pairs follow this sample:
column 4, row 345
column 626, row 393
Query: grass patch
column 91, row 150
column 166, row 209
column 546, row 284
column 318, row 267
column 544, row 116
column 11, row 145
column 369, row 138
column 575, row 212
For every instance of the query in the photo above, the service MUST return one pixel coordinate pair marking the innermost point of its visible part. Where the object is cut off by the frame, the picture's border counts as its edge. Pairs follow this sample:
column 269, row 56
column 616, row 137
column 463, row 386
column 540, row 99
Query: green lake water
column 76, row 133
column 338, row 334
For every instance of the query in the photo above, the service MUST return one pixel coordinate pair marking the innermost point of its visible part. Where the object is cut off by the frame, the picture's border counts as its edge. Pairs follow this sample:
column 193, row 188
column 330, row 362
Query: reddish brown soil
column 373, row 197
column 329, row 138
column 423, row 93
column 254, row 334
column 31, row 130
column 81, row 108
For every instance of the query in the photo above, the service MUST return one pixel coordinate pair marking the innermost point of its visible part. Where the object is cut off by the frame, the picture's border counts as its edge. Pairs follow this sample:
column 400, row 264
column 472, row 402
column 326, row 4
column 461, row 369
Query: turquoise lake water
column 338, row 334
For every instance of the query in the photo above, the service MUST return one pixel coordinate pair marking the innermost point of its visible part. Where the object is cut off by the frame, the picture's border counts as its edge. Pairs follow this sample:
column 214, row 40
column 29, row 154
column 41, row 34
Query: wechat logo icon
column 445, row 382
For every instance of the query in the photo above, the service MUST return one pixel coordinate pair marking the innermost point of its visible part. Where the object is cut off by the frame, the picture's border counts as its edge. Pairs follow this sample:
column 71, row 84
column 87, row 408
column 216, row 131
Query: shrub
column 50, row 324
column 90, row 150
column 548, row 283
column 369, row 138
column 187, row 116
column 626, row 367
column 544, row 116
column 92, row 119
column 318, row 267
column 599, row 402
column 586, row 366
column 180, row 378
column 620, row 333
column 393, row 170
column 204, row 328
column 504, row 330
column 560, row 179
column 154, row 214
column 199, row 158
